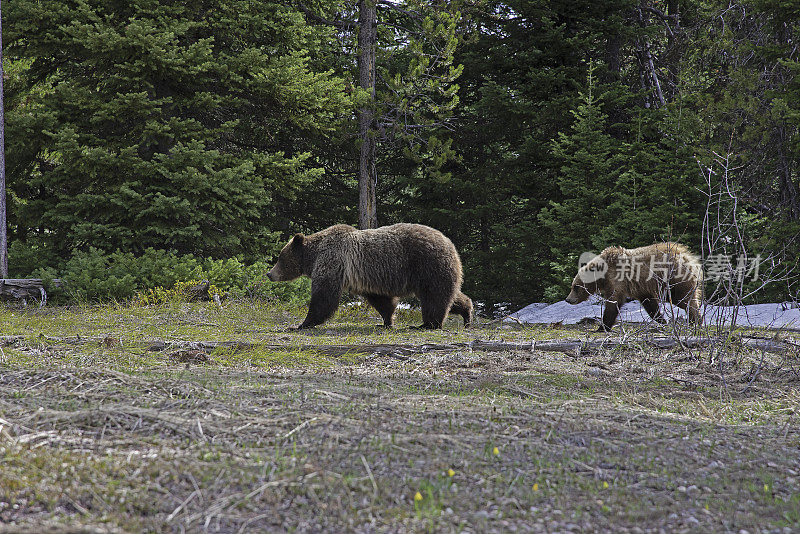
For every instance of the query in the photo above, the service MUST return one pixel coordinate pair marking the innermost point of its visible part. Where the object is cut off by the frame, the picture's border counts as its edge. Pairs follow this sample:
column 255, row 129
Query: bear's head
column 290, row 261
column 591, row 279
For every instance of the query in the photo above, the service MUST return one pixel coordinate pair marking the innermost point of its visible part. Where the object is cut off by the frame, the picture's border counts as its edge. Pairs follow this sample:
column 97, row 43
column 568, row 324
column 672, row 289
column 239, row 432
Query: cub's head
column 290, row 261
column 580, row 291
column 590, row 279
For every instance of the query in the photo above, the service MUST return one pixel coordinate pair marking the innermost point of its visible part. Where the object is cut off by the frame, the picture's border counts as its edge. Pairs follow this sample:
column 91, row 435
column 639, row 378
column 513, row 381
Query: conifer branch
column 341, row 24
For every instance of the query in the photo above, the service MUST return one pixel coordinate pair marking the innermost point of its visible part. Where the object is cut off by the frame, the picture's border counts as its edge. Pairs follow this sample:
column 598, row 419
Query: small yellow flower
column 417, row 496
column 605, row 485
column 766, row 488
column 450, row 473
column 495, row 451
column 706, row 506
column 536, row 487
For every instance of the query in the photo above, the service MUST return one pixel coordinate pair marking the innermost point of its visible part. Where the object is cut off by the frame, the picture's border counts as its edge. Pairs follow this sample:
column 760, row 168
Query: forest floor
column 111, row 421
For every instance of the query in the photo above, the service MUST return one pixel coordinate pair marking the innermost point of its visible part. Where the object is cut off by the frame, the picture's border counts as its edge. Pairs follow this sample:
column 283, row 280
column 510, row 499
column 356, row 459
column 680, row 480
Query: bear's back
column 397, row 259
column 642, row 267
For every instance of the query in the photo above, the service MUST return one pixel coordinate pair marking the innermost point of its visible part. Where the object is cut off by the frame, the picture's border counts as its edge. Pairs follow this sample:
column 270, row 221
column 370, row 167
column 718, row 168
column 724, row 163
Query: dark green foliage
column 218, row 129
column 524, row 62
column 743, row 84
column 167, row 125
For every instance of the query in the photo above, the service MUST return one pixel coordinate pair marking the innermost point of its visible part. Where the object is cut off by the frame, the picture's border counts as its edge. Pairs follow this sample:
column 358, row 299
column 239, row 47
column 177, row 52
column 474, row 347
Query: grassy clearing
column 109, row 435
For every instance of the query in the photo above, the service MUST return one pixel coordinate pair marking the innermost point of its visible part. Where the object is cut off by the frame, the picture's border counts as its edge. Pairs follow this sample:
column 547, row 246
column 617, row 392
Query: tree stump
column 199, row 292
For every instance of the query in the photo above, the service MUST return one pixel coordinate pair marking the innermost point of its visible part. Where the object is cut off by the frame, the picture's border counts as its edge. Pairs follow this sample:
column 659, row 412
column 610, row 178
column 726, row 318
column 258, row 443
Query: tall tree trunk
column 674, row 44
column 367, row 175
column 646, row 60
column 3, row 228
column 790, row 196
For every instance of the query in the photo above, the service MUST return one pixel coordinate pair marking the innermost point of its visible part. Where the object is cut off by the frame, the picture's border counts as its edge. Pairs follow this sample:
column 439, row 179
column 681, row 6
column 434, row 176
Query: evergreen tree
column 616, row 192
column 523, row 61
column 741, row 82
column 590, row 168
column 404, row 53
column 658, row 193
column 167, row 125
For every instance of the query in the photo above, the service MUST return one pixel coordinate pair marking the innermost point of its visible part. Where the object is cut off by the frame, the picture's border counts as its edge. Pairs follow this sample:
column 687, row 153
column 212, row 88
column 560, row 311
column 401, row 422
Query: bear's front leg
column 609, row 316
column 325, row 295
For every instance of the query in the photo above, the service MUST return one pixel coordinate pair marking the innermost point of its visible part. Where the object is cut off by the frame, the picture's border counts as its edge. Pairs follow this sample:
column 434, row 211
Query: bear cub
column 382, row 265
column 652, row 274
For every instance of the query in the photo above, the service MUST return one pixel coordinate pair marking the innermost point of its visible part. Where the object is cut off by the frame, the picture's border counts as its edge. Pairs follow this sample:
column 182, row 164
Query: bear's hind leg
column 687, row 296
column 650, row 305
column 385, row 306
column 693, row 309
column 434, row 310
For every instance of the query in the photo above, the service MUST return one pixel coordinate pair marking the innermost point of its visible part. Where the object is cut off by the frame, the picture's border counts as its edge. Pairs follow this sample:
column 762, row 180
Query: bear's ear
column 297, row 245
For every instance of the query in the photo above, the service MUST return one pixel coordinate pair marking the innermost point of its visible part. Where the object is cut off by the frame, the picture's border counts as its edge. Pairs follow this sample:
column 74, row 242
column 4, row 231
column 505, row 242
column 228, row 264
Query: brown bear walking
column 652, row 274
column 381, row 265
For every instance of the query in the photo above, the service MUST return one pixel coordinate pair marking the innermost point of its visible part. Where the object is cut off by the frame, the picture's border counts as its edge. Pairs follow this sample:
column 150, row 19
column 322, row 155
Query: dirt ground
column 112, row 421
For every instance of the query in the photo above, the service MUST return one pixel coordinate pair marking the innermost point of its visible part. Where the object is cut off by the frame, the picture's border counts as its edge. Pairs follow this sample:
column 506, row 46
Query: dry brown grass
column 108, row 435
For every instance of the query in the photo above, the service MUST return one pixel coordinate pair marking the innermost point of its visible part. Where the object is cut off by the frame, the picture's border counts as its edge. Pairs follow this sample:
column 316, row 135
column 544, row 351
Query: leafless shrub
column 734, row 273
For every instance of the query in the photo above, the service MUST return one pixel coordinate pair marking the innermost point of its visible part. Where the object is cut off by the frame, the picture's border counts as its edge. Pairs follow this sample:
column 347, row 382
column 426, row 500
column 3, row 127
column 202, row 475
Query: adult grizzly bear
column 651, row 274
column 381, row 265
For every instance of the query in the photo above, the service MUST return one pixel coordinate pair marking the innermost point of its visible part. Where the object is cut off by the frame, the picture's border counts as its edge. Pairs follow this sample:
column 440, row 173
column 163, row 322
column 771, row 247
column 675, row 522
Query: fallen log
column 572, row 347
column 6, row 341
column 26, row 288
column 690, row 342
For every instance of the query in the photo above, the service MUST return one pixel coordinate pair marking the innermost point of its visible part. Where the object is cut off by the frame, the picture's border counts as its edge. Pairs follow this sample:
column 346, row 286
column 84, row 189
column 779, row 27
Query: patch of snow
column 495, row 311
column 778, row 315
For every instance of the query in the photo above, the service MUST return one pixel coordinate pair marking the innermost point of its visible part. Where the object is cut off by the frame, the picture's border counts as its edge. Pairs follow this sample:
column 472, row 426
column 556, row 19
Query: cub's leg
column 693, row 309
column 650, row 305
column 462, row 305
column 687, row 296
column 385, row 306
column 609, row 315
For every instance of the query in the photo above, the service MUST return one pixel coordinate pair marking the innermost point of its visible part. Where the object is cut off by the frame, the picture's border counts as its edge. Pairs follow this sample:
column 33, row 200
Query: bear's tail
column 462, row 305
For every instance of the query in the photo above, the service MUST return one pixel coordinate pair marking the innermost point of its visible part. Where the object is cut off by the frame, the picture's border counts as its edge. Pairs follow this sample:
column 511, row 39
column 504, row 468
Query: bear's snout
column 576, row 296
column 271, row 276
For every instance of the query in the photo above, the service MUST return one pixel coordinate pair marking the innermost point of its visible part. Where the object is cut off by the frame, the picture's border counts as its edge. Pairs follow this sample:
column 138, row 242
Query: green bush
column 225, row 274
column 158, row 268
column 92, row 276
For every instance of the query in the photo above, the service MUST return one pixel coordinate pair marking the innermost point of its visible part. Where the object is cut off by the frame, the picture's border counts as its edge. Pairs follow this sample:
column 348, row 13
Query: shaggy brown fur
column 381, row 265
column 660, row 272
